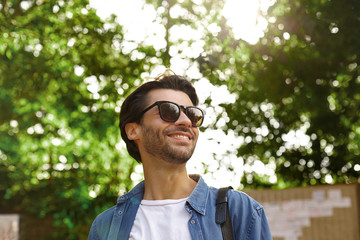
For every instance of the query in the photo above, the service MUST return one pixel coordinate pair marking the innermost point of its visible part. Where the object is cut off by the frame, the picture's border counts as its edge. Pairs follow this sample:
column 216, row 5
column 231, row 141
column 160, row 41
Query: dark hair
column 136, row 102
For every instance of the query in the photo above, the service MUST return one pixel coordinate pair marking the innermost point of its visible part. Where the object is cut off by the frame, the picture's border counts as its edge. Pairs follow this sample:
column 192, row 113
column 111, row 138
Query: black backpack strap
column 222, row 215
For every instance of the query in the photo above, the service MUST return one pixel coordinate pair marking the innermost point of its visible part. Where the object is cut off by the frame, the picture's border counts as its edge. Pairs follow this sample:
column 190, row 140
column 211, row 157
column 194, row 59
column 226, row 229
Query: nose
column 183, row 120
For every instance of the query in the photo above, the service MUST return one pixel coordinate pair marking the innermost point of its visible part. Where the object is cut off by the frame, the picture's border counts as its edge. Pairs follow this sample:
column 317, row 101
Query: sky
column 215, row 151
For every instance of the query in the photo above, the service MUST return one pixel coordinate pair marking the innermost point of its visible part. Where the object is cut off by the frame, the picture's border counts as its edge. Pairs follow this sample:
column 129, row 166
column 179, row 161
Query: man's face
column 172, row 142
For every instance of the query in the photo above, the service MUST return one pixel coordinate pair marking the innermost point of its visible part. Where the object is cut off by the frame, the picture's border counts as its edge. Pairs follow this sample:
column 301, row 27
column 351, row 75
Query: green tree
column 63, row 75
column 300, row 80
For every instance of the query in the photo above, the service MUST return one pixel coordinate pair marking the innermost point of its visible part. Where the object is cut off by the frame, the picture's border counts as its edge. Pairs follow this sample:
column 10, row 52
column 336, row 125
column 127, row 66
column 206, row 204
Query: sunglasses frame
column 180, row 107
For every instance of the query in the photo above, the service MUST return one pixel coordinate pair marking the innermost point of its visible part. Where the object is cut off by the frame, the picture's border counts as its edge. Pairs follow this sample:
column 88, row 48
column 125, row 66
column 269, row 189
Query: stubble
column 155, row 143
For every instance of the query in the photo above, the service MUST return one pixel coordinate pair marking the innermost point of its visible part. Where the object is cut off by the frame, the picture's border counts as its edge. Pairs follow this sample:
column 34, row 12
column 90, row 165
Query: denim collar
column 197, row 199
column 200, row 195
column 137, row 192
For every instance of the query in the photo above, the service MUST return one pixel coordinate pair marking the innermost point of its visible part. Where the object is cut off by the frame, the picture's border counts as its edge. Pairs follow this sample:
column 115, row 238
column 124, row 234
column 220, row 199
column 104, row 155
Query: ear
column 132, row 131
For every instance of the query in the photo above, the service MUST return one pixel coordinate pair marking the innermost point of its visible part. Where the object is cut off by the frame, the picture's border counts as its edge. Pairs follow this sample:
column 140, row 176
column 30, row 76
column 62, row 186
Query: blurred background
column 280, row 82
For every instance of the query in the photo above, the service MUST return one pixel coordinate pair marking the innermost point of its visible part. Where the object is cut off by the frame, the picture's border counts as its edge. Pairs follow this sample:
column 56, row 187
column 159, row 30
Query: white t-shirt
column 161, row 220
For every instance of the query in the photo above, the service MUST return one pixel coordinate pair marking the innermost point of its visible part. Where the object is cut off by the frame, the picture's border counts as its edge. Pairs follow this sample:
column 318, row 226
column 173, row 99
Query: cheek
column 196, row 133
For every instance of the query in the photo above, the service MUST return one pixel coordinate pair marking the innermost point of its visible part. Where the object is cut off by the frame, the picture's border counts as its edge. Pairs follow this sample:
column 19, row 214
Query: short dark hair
column 136, row 102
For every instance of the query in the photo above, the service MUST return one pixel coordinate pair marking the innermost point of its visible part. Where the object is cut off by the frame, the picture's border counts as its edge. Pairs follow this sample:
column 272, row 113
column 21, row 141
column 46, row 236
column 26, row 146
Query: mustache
column 180, row 129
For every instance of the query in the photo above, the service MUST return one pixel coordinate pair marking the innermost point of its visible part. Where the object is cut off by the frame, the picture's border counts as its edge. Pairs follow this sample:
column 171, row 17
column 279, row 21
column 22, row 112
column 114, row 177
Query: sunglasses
column 170, row 112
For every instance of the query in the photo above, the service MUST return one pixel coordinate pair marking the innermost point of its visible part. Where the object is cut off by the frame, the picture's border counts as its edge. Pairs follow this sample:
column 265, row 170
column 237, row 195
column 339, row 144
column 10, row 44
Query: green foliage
column 62, row 81
column 64, row 73
column 301, row 79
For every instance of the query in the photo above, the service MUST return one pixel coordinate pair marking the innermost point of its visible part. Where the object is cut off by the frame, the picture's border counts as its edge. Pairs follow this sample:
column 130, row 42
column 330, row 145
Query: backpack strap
column 222, row 215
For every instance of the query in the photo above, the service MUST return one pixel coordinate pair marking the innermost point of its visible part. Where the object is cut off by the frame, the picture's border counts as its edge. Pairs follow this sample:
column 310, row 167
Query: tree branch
column 17, row 8
column 5, row 6
column 168, row 26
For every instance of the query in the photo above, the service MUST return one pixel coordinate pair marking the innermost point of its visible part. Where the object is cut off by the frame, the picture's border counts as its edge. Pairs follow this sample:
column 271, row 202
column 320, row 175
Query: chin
column 178, row 157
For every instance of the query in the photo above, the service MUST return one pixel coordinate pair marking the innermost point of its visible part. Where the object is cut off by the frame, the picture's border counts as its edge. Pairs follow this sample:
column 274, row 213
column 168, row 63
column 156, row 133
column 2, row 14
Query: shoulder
column 235, row 195
column 247, row 216
column 105, row 216
column 135, row 195
column 239, row 200
column 101, row 224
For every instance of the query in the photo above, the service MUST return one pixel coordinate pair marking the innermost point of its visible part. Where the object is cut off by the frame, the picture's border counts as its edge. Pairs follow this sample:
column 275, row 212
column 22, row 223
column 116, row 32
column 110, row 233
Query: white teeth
column 181, row 136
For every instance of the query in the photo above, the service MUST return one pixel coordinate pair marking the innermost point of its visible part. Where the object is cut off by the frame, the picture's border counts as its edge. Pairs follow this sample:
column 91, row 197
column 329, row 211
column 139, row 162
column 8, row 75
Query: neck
column 167, row 181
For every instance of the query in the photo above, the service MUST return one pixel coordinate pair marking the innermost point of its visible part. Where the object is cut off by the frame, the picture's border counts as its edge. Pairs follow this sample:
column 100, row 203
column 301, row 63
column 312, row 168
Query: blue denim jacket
column 247, row 216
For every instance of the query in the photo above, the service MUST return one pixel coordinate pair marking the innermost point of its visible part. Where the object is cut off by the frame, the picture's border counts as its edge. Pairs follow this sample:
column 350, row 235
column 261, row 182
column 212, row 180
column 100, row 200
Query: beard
column 155, row 144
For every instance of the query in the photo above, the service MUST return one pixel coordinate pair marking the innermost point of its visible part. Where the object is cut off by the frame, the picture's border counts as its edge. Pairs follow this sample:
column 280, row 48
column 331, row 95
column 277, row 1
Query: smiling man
column 159, row 123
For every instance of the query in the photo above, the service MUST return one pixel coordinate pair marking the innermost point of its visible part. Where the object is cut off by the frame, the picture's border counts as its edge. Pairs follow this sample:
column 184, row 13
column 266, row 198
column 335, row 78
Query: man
column 159, row 122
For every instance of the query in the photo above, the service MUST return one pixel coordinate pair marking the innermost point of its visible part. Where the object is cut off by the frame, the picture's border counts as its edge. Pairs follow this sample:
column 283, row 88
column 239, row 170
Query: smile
column 180, row 136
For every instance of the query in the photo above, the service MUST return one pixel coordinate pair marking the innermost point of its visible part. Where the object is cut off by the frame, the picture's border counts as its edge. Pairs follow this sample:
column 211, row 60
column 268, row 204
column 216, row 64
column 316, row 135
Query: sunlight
column 244, row 17
column 141, row 26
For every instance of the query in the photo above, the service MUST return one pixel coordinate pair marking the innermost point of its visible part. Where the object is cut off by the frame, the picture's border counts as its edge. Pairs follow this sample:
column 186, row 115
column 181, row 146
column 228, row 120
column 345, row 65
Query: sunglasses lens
column 169, row 112
column 195, row 115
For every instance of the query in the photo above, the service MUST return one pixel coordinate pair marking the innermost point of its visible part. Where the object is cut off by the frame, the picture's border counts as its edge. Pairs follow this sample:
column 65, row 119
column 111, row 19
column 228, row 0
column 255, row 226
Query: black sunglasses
column 170, row 112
